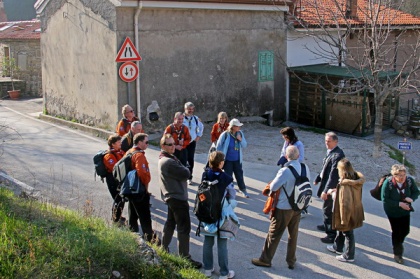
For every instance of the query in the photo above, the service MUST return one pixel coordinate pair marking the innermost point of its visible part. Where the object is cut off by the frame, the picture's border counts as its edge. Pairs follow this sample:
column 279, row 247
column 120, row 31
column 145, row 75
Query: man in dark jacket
column 127, row 139
column 173, row 177
column 329, row 180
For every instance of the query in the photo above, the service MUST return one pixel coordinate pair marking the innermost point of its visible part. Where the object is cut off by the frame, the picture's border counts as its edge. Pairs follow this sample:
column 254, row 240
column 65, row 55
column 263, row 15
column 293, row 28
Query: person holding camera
column 398, row 193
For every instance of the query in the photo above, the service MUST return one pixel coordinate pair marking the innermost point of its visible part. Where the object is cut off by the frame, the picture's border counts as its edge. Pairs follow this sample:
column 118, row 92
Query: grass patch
column 397, row 155
column 41, row 240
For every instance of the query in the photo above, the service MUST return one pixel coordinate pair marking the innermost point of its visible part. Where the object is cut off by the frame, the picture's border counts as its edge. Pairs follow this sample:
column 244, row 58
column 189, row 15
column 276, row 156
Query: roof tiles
column 20, row 30
column 333, row 12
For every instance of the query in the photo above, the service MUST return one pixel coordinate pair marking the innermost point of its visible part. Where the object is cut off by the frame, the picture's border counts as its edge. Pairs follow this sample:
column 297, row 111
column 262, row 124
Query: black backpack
column 302, row 192
column 98, row 161
column 123, row 167
column 208, row 202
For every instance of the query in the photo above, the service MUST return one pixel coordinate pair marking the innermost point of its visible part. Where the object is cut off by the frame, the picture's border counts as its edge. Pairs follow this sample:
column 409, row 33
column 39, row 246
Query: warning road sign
column 128, row 71
column 127, row 52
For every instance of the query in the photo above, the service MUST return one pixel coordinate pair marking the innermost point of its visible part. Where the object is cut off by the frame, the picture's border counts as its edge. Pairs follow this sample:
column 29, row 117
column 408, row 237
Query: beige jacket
column 348, row 211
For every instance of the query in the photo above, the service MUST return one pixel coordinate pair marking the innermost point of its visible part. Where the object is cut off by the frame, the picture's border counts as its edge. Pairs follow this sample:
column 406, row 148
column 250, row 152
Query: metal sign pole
column 128, row 93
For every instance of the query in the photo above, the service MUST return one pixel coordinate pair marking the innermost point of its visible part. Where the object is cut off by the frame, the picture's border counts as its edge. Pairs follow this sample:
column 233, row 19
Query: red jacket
column 111, row 158
column 217, row 130
column 177, row 134
column 124, row 126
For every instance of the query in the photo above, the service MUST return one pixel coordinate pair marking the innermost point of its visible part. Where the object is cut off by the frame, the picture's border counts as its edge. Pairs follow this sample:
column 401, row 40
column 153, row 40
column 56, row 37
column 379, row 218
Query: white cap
column 235, row 122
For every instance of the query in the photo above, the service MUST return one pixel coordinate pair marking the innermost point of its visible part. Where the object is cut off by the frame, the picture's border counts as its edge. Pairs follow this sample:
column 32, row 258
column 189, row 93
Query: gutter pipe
column 136, row 42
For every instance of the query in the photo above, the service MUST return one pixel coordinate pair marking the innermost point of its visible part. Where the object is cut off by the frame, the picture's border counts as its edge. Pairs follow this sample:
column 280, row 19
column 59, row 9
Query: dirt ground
column 265, row 142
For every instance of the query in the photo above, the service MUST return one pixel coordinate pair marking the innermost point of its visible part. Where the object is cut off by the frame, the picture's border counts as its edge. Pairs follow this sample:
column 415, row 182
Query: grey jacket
column 172, row 178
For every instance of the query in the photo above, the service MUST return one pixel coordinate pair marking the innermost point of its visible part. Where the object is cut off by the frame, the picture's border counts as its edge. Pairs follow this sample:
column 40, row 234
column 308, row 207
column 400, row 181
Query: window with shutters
column 265, row 66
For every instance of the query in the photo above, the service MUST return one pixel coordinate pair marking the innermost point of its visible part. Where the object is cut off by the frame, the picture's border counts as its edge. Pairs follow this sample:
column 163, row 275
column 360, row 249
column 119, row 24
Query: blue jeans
column 222, row 254
column 236, row 168
column 348, row 237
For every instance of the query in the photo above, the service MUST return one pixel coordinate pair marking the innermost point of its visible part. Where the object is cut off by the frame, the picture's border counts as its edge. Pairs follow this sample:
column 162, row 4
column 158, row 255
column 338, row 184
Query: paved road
column 57, row 161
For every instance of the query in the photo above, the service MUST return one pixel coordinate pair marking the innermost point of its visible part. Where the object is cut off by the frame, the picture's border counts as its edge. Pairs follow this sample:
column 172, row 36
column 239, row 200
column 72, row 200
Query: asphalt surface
column 56, row 162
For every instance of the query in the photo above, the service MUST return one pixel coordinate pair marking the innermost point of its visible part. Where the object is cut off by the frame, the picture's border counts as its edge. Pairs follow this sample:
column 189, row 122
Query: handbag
column 229, row 228
column 132, row 185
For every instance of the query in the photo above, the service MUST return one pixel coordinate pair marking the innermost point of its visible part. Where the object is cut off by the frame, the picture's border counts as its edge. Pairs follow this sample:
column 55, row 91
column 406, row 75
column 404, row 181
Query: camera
column 411, row 207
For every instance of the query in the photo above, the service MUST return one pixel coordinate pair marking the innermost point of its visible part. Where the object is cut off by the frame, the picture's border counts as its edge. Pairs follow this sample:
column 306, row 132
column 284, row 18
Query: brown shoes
column 258, row 262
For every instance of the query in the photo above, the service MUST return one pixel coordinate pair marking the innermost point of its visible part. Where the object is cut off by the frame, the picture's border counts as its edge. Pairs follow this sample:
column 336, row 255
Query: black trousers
column 118, row 203
column 328, row 215
column 139, row 209
column 400, row 229
column 190, row 156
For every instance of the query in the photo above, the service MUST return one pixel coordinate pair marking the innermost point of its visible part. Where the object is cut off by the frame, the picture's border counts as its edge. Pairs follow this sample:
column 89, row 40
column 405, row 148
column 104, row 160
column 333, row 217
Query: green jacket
column 391, row 197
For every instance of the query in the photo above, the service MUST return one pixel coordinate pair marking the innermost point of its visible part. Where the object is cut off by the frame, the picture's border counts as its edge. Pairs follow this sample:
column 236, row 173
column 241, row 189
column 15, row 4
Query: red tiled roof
column 20, row 30
column 331, row 12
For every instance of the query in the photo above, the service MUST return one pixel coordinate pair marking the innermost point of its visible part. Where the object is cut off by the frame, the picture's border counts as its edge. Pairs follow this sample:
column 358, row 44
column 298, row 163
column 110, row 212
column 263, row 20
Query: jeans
column 327, row 210
column 400, row 229
column 350, row 243
column 190, row 156
column 139, row 209
column 222, row 254
column 281, row 220
column 179, row 216
column 118, row 204
column 236, row 168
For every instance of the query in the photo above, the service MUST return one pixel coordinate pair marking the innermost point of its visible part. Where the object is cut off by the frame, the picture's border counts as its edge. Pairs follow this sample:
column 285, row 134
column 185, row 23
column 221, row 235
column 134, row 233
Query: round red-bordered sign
column 128, row 71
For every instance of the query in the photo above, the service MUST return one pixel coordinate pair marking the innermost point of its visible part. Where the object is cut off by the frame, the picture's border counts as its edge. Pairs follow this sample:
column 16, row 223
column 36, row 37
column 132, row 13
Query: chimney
column 351, row 9
column 3, row 16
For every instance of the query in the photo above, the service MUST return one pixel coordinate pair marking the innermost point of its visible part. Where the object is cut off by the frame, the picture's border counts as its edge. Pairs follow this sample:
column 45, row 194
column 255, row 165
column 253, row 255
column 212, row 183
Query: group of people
column 340, row 188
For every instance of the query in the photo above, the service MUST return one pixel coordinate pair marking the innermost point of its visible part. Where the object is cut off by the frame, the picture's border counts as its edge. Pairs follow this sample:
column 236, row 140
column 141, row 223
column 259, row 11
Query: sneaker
column 303, row 214
column 244, row 193
column 332, row 249
column 231, row 274
column 195, row 264
column 258, row 262
column 343, row 259
column 189, row 181
column 321, row 228
column 399, row 259
column 208, row 272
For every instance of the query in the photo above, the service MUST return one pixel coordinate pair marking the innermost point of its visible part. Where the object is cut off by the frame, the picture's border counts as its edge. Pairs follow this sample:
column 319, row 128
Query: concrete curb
column 18, row 187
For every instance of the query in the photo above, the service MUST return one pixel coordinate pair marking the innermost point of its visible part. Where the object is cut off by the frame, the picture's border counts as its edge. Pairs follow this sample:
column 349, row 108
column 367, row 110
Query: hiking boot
column 321, row 228
column 195, row 264
column 399, row 259
column 258, row 262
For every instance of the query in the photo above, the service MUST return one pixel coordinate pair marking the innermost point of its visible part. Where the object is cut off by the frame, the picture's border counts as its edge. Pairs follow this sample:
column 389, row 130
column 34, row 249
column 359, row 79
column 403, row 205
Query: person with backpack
column 139, row 204
column 111, row 157
column 231, row 142
column 224, row 205
column 196, row 128
column 398, row 193
column 173, row 177
column 124, row 125
column 127, row 139
column 284, row 216
column 290, row 138
column 181, row 135
column 348, row 211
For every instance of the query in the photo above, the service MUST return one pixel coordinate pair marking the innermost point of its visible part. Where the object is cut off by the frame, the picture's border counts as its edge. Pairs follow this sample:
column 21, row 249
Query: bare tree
column 372, row 36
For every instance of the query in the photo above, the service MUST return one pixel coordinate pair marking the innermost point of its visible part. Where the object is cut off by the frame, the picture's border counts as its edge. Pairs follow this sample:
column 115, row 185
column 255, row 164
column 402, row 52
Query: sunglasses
column 146, row 142
column 129, row 111
column 169, row 144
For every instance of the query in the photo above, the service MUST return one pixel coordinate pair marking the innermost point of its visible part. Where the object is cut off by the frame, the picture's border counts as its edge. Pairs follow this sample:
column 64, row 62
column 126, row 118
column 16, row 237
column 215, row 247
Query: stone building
column 20, row 40
column 220, row 55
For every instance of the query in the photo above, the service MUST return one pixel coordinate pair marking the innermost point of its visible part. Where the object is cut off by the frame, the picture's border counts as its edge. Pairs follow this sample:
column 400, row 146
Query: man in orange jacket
column 181, row 135
column 139, row 204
